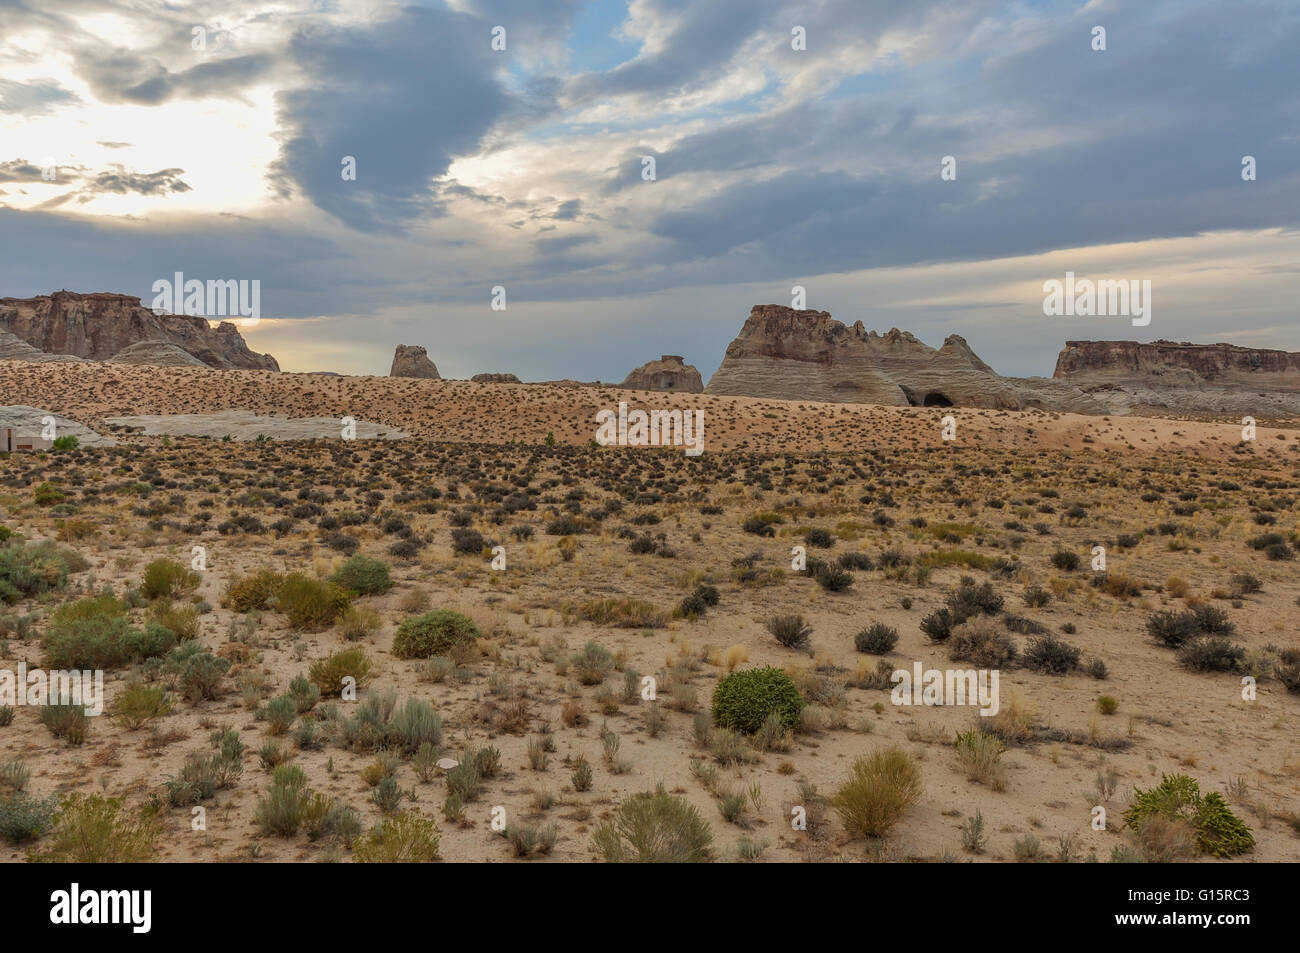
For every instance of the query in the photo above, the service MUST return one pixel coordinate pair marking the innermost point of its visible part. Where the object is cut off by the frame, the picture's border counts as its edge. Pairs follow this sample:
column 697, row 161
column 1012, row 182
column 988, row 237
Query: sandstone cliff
column 411, row 360
column 1179, row 364
column 669, row 373
column 496, row 379
column 97, row 327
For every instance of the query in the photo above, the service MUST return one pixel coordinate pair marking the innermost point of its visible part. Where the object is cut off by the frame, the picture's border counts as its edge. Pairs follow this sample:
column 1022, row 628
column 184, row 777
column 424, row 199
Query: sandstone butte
column 669, row 373
column 411, row 360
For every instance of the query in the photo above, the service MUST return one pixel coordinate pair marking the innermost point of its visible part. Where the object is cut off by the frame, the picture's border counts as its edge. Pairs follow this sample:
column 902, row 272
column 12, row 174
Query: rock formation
column 1179, row 364
column 14, row 348
column 808, row 355
column 411, row 360
column 667, row 373
column 97, row 327
column 30, row 421
column 157, row 353
column 496, row 379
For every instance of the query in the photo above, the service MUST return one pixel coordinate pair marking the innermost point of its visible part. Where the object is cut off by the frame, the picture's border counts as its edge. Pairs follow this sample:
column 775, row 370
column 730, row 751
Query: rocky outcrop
column 496, row 379
column 97, row 327
column 157, row 353
column 411, row 360
column 30, row 421
column 14, row 348
column 808, row 355
column 1179, row 364
column 669, row 373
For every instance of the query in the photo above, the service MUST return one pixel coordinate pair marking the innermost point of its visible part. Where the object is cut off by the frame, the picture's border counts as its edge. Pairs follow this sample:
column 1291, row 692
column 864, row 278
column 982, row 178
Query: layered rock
column 97, row 327
column 669, row 373
column 808, row 355
column 496, row 379
column 14, row 348
column 1179, row 364
column 157, row 353
column 411, row 360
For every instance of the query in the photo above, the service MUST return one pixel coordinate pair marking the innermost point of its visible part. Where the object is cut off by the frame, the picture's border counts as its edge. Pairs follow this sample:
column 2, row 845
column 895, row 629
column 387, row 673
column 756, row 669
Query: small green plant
column 655, row 827
column 744, row 699
column 1178, row 798
column 403, row 838
column 434, row 633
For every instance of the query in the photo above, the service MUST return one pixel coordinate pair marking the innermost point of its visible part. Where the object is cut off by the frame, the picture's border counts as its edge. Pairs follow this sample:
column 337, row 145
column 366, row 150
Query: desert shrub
column 281, row 811
column 593, row 664
column 938, row 625
column 1210, row 653
column 877, row 638
column 1218, row 831
column 92, row 829
column 855, row 562
column 328, row 673
column 279, row 714
column 1212, row 620
column 31, row 569
column 1065, row 560
column 980, row 757
column 305, row 693
column 467, row 542
column 790, row 630
column 198, row 672
column 94, row 633
column 310, row 604
column 1246, row 584
column 434, row 633
column 363, row 575
column 250, row 592
column 879, row 789
column 67, row 722
column 1172, row 629
column 582, row 774
column 413, row 725
column 1107, row 705
column 819, row 538
column 1022, row 625
column 140, row 702
column 623, row 613
column 744, row 699
column 1036, row 597
column 201, row 777
column 969, row 599
column 181, row 620
column 830, row 576
column 23, row 817
column 403, row 838
column 1051, row 656
column 655, row 828
column 981, row 643
column 167, row 579
column 359, row 622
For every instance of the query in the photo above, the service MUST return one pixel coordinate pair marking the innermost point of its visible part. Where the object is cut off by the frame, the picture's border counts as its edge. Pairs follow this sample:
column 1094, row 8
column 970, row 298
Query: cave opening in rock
column 936, row 399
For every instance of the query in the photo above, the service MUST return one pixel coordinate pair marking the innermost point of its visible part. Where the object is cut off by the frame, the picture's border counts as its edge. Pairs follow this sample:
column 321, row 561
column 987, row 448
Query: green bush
column 166, row 578
column 199, row 672
column 66, row 442
column 30, row 569
column 434, row 633
column 877, row 639
column 363, row 575
column 310, row 604
column 328, row 673
column 250, row 592
column 94, row 633
column 1218, row 831
column 744, row 699
column 23, row 817
column 655, row 828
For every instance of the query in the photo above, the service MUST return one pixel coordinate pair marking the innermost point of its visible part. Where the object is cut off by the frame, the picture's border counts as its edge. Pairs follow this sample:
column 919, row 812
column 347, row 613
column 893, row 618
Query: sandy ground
column 1004, row 488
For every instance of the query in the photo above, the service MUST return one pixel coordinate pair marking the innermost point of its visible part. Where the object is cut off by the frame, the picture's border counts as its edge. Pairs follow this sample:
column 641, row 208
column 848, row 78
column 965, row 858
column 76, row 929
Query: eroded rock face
column 14, row 348
column 669, row 373
column 411, row 360
column 808, row 355
column 157, row 353
column 1167, row 364
column 496, row 379
column 97, row 327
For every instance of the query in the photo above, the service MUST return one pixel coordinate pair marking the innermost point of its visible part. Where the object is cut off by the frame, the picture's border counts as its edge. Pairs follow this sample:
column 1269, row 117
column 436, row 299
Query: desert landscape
column 499, row 588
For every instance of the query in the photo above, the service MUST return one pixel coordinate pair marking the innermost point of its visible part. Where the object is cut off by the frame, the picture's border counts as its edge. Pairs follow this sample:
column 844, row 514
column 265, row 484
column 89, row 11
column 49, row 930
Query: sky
column 211, row 137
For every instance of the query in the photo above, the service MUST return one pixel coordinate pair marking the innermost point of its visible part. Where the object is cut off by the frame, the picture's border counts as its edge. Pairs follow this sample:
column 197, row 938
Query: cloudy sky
column 209, row 138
